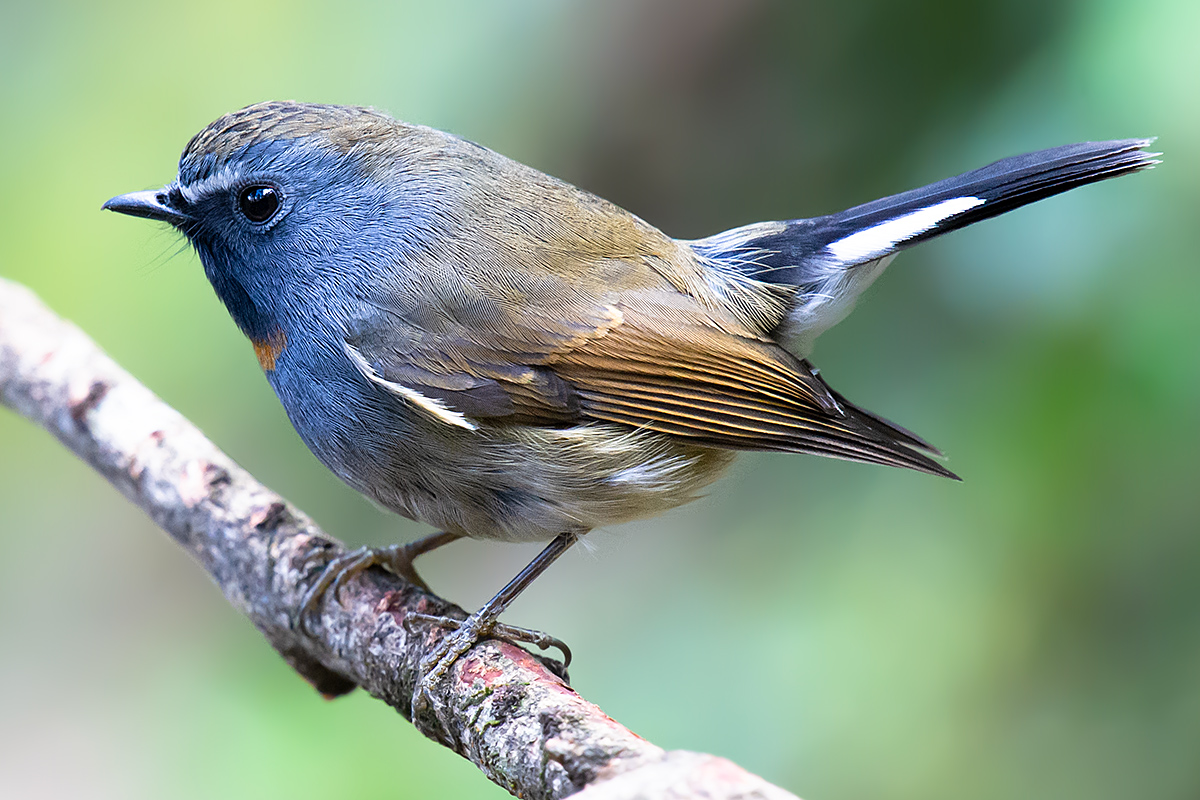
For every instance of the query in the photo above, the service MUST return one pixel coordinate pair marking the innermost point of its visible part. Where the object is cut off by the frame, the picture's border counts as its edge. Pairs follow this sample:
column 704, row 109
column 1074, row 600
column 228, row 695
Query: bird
column 479, row 346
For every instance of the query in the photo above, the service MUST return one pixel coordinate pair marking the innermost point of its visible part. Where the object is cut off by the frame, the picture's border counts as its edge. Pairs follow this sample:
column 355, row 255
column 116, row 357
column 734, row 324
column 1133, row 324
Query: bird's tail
column 778, row 251
column 818, row 255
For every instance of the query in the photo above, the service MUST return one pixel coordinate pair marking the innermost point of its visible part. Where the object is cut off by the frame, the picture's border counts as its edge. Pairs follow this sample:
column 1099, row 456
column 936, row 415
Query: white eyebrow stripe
column 430, row 405
column 223, row 178
column 881, row 239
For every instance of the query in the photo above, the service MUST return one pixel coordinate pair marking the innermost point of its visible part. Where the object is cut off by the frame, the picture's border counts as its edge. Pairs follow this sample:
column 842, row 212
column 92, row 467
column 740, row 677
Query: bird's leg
column 396, row 558
column 479, row 625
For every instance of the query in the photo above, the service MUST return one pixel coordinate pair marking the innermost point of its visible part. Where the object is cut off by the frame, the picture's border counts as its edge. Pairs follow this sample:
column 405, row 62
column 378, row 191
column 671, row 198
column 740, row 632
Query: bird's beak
column 150, row 204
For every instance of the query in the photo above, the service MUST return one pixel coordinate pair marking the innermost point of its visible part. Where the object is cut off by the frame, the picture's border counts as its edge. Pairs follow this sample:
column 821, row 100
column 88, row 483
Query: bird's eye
column 259, row 203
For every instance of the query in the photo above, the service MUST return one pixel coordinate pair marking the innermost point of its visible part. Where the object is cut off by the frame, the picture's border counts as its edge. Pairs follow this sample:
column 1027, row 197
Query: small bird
column 479, row 346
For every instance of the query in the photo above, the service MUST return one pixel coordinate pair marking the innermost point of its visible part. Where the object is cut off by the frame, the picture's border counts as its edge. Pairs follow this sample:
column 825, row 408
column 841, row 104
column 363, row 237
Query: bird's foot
column 397, row 559
column 509, row 633
column 429, row 713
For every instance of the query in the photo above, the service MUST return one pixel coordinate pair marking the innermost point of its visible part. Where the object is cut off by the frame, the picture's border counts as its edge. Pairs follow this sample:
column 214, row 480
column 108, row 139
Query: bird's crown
column 233, row 134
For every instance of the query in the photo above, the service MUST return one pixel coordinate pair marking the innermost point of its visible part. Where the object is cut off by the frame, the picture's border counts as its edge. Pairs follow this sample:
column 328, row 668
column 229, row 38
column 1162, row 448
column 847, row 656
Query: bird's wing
column 649, row 359
column 691, row 379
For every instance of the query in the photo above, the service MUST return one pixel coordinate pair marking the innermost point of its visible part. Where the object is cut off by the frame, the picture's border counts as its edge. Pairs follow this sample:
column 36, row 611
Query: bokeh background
column 846, row 631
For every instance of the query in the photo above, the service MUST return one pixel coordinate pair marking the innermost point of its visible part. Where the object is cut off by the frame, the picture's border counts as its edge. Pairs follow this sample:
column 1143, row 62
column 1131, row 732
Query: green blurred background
column 846, row 631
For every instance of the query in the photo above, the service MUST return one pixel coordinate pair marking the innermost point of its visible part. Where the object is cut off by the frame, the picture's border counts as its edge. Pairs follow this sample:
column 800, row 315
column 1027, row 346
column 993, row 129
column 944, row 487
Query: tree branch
column 514, row 719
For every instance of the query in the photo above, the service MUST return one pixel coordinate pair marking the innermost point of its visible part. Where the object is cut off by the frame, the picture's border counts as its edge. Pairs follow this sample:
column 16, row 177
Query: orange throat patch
column 268, row 350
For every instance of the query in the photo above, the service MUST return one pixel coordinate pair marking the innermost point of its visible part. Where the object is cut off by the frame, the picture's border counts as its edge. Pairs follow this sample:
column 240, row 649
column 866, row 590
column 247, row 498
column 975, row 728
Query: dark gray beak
column 150, row 204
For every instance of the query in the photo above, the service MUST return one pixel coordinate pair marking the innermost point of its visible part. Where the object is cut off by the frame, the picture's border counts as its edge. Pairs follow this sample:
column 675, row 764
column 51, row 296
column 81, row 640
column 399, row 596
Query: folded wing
column 657, row 362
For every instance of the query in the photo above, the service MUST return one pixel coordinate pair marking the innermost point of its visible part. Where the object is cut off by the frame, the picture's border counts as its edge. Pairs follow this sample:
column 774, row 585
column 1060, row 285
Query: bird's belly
column 517, row 483
column 506, row 482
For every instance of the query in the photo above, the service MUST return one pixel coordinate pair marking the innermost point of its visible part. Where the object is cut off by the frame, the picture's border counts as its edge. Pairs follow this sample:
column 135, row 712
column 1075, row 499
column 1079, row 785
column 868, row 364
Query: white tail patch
column 430, row 405
column 881, row 239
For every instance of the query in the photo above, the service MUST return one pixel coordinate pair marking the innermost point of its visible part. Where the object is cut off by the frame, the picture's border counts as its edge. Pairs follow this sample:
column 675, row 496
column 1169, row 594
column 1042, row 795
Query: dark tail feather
column 797, row 252
column 1003, row 186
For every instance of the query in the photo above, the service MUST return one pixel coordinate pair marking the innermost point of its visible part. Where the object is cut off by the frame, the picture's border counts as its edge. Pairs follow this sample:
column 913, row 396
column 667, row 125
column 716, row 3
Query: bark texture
column 514, row 718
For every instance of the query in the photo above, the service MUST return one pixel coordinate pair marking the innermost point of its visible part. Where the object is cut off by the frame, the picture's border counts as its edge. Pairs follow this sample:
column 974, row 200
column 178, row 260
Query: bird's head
column 283, row 199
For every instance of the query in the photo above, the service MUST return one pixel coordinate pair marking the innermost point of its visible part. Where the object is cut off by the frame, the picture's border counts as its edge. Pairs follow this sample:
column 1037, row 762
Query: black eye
column 259, row 203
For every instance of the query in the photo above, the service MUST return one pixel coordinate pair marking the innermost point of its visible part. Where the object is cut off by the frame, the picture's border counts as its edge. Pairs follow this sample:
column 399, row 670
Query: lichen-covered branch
column 519, row 723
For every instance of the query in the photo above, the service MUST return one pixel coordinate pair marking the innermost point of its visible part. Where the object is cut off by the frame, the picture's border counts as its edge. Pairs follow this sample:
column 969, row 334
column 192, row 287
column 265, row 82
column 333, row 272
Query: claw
column 337, row 570
column 434, row 667
column 499, row 630
column 396, row 558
